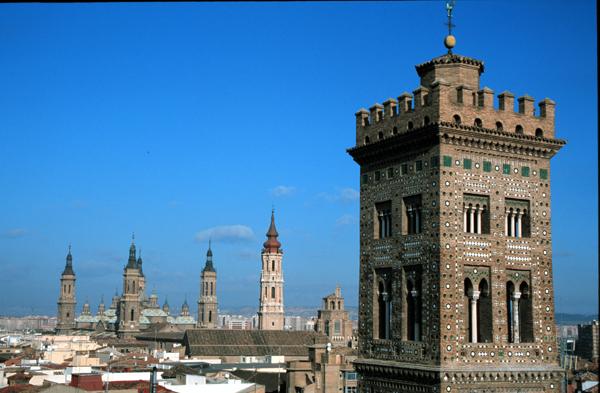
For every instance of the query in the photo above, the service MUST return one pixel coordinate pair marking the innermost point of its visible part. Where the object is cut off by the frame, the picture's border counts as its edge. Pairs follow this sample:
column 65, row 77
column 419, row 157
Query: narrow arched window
column 367, row 140
column 266, row 293
column 68, row 314
column 380, row 135
column 209, row 316
column 426, row 120
column 519, row 129
column 273, row 265
column 132, row 314
column 539, row 133
column 525, row 314
column 471, row 313
column 339, row 305
column 395, row 131
column 478, row 123
column 332, row 305
column 413, row 317
column 499, row 126
column 410, row 125
column 510, row 290
column 456, row 119
column 211, row 289
column 484, row 313
column 272, row 292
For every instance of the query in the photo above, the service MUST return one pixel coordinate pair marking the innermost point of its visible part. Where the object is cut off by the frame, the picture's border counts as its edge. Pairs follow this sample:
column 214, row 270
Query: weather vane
column 450, row 40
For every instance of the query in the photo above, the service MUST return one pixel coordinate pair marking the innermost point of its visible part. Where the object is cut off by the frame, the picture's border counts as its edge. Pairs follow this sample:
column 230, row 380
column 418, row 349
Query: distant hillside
column 305, row 312
column 574, row 319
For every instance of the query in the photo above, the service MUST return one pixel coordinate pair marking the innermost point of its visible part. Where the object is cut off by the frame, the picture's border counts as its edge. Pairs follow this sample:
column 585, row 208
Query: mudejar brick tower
column 456, row 289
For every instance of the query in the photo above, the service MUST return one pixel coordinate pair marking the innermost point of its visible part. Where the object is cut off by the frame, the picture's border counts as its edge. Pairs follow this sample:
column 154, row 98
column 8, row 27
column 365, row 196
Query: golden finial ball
column 450, row 41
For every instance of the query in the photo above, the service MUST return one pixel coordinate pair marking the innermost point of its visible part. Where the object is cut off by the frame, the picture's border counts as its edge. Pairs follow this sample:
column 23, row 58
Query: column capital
column 475, row 295
column 516, row 295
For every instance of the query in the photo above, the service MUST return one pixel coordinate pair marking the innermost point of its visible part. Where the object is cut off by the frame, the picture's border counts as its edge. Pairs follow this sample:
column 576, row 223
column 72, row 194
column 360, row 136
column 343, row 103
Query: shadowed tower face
column 270, row 313
column 207, row 302
column 66, row 299
column 456, row 287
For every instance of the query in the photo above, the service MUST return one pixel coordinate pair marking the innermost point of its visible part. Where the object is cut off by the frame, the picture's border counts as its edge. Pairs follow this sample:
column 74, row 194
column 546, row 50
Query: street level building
column 334, row 321
column 455, row 290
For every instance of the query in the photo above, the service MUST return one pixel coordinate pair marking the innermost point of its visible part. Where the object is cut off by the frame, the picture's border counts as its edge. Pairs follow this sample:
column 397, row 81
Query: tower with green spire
column 207, row 301
column 66, row 299
column 130, row 305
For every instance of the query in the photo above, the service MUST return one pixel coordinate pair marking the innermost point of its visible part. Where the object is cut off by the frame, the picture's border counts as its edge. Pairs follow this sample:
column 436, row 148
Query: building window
column 367, row 140
column 410, row 125
column 337, row 328
column 365, row 179
column 412, row 215
column 211, row 289
column 132, row 314
column 519, row 129
column 506, row 169
column 383, row 306
column 350, row 389
column 419, row 165
column 487, row 166
column 350, row 376
column 519, row 312
column 404, row 169
column 467, row 163
column 412, row 305
column 456, row 120
column 479, row 311
column 395, row 131
column 516, row 218
column 525, row 171
column 478, row 123
column 272, row 292
column 476, row 214
column 499, row 126
column 390, row 173
column 209, row 316
column 273, row 265
column 543, row 174
column 435, row 161
column 539, row 133
column 383, row 225
column 377, row 175
column 426, row 120
column 447, row 161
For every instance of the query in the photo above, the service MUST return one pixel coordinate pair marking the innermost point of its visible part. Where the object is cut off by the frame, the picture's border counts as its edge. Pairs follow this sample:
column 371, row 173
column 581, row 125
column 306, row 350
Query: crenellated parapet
column 458, row 100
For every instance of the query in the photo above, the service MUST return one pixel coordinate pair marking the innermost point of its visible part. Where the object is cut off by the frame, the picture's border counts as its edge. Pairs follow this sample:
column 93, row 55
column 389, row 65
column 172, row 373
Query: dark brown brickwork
column 458, row 295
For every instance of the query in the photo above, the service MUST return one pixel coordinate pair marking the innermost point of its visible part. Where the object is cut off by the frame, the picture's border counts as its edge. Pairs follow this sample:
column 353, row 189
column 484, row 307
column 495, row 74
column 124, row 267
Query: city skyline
column 189, row 122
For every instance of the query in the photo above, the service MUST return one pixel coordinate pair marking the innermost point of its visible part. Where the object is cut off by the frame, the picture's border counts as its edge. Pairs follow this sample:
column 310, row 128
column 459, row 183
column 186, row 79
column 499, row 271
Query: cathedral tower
column 270, row 313
column 130, row 305
column 207, row 302
column 66, row 299
column 456, row 289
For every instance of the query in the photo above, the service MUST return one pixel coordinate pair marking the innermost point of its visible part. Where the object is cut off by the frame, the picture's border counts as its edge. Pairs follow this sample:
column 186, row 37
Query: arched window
column 499, row 126
column 426, row 120
column 484, row 313
column 367, row 140
column 410, row 125
column 339, row 305
column 68, row 314
column 525, row 314
column 510, row 290
column 456, row 120
column 273, row 265
column 413, row 310
column 539, row 133
column 272, row 292
column 209, row 316
column 211, row 288
column 470, row 297
column 384, row 302
column 332, row 305
column 327, row 328
column 395, row 131
column 133, row 288
column 132, row 314
column 519, row 129
column 478, row 123
column 380, row 135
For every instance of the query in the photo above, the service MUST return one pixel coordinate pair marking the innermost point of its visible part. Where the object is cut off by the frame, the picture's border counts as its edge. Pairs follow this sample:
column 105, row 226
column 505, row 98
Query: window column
column 515, row 316
column 512, row 223
column 417, row 219
column 474, row 299
column 505, row 222
column 471, row 219
column 479, row 217
column 465, row 224
column 416, row 327
column 518, row 232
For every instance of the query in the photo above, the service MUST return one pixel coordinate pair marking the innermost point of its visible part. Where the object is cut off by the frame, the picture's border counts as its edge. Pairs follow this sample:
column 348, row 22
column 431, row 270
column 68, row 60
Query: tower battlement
column 454, row 96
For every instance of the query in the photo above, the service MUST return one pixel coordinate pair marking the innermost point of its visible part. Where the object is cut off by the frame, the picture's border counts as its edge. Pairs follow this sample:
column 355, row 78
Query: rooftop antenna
column 450, row 40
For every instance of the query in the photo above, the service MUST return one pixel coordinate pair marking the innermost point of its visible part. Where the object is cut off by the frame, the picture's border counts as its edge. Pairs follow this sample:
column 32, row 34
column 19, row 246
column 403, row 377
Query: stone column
column 512, row 224
column 479, row 216
column 515, row 316
column 386, row 299
column 519, row 225
column 474, row 299
column 465, row 217
column 414, row 293
column 505, row 222
column 381, row 224
column 417, row 220
column 472, row 219
column 410, row 220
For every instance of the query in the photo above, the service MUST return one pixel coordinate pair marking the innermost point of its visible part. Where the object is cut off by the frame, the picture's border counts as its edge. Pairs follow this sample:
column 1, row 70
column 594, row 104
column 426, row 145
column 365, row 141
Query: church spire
column 131, row 263
column 69, row 264
column 208, row 267
column 272, row 244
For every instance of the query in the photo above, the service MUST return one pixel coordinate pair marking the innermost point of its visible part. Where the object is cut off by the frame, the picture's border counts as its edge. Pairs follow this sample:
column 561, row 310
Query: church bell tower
column 66, row 299
column 455, row 291
column 270, row 313
column 207, row 302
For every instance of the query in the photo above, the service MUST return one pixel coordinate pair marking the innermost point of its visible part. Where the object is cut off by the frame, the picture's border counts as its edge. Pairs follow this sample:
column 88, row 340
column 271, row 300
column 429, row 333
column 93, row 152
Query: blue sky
column 171, row 120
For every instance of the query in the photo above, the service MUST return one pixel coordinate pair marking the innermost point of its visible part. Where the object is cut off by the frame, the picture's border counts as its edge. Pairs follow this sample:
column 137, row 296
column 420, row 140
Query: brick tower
column 207, row 302
column 270, row 313
column 456, row 289
column 66, row 299
column 129, row 310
